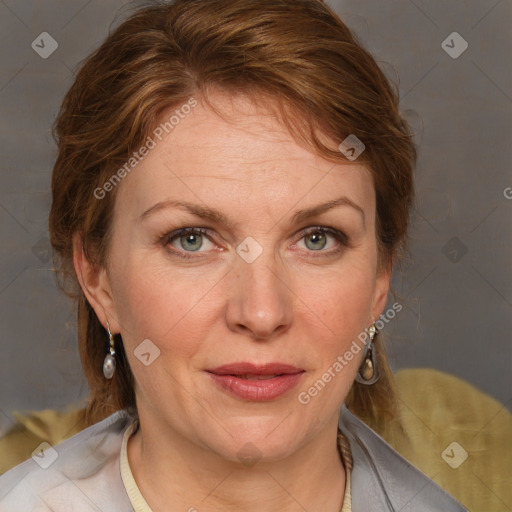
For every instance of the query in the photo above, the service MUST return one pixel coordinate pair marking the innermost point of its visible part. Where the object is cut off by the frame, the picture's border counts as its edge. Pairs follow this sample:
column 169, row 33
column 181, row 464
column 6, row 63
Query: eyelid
column 177, row 233
column 338, row 235
column 342, row 239
column 190, row 255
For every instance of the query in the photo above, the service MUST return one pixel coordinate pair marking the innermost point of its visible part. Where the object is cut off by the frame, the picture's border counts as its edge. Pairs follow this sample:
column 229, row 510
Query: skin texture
column 301, row 302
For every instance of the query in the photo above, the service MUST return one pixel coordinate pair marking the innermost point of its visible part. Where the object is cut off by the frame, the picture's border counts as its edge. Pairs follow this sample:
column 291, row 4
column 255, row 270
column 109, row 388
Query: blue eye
column 189, row 240
column 318, row 237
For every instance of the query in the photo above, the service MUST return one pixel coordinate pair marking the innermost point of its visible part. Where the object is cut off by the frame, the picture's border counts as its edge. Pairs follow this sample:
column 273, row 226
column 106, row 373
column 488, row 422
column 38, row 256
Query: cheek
column 334, row 346
column 169, row 307
column 341, row 301
column 176, row 308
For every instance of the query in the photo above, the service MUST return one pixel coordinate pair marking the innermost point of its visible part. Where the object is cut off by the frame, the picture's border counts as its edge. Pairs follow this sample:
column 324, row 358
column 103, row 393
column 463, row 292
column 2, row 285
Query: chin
column 249, row 440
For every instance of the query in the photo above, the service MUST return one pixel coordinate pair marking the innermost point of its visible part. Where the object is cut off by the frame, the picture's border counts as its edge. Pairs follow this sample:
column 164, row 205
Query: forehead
column 244, row 154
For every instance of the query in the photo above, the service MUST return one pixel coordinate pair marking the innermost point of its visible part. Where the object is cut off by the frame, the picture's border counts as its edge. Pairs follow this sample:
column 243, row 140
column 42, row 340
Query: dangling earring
column 369, row 372
column 109, row 364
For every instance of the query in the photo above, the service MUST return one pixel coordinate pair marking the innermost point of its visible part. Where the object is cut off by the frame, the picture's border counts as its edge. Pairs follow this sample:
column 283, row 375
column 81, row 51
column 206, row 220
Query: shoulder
column 383, row 480
column 458, row 433
column 81, row 473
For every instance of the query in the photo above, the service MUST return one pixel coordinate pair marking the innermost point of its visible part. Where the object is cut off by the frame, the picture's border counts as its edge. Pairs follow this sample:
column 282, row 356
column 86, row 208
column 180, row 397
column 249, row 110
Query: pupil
column 316, row 237
column 192, row 240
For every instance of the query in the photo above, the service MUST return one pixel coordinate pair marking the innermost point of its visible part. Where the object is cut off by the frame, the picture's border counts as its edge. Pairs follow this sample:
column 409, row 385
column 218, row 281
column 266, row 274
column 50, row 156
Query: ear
column 380, row 294
column 95, row 284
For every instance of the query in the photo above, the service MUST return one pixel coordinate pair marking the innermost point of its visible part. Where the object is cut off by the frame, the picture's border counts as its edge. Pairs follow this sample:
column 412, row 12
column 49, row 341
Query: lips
column 256, row 382
column 250, row 369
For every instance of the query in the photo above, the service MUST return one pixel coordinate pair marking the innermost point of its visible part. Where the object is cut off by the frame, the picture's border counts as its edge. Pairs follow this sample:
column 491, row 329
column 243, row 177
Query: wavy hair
column 298, row 55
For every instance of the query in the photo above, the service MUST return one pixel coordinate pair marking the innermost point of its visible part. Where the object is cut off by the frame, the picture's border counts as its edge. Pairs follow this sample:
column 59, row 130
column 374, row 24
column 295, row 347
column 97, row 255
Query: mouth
column 258, row 377
column 256, row 383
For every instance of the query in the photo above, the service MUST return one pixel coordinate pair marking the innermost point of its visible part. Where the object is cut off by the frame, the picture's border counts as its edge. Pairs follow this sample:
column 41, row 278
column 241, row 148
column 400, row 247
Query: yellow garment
column 31, row 430
column 436, row 410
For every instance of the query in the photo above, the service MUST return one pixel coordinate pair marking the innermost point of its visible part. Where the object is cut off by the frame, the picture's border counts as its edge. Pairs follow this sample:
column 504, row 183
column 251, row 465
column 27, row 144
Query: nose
column 260, row 300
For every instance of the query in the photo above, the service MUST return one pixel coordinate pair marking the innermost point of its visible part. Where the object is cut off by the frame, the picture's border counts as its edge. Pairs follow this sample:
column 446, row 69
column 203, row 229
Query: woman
column 231, row 191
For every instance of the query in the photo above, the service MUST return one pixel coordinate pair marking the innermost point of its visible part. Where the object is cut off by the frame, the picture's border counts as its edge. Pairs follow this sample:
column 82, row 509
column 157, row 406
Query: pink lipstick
column 257, row 383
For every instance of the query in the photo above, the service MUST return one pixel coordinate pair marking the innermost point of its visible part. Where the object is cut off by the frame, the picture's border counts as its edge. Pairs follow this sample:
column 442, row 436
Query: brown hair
column 298, row 54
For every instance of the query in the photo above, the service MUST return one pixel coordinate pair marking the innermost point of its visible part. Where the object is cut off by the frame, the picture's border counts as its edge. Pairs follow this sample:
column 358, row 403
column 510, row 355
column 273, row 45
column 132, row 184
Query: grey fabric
column 383, row 481
column 86, row 477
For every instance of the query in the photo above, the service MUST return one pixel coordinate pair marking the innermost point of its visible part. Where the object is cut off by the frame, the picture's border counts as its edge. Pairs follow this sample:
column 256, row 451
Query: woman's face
column 255, row 281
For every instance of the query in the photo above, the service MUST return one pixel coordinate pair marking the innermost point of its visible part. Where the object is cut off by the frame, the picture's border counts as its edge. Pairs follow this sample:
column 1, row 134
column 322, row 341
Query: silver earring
column 109, row 364
column 369, row 372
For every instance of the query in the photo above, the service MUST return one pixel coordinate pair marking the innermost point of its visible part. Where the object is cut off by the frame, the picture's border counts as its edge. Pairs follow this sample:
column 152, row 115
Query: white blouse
column 90, row 472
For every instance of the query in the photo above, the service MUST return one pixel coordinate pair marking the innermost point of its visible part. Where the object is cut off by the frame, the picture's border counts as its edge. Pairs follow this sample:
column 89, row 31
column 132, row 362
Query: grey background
column 456, row 287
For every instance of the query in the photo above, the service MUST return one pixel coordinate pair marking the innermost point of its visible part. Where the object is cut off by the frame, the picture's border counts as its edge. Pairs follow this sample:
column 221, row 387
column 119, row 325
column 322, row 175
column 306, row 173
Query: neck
column 175, row 474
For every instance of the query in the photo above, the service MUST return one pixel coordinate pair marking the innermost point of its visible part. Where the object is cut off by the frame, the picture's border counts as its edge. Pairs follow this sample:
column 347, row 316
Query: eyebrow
column 305, row 214
column 216, row 216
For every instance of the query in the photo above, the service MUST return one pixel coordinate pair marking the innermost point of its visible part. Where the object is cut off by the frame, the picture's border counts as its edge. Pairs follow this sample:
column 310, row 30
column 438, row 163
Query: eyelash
column 335, row 233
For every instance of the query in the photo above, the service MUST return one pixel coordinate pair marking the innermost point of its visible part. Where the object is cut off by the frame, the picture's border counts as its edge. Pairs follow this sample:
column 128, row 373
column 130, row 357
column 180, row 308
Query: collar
column 382, row 480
